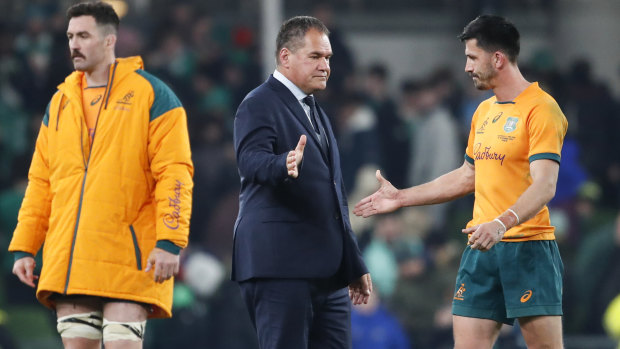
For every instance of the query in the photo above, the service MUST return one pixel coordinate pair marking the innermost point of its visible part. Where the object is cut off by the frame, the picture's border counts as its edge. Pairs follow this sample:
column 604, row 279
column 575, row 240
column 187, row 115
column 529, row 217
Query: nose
column 73, row 44
column 324, row 64
column 468, row 67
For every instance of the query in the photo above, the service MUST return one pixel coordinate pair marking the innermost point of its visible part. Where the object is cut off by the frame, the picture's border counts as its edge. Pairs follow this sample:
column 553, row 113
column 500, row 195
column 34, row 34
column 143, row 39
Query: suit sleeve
column 255, row 143
column 353, row 261
column 170, row 158
column 33, row 218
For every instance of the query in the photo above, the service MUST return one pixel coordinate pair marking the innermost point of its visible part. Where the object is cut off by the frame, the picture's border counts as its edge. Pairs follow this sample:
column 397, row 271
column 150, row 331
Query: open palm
column 384, row 200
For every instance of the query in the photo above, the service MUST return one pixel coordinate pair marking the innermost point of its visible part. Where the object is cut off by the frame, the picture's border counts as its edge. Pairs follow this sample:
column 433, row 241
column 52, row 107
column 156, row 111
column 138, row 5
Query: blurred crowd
column 413, row 129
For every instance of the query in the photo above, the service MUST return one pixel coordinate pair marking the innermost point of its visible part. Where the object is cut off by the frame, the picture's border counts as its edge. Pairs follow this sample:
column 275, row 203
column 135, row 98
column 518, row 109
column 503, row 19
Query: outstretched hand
column 382, row 201
column 295, row 156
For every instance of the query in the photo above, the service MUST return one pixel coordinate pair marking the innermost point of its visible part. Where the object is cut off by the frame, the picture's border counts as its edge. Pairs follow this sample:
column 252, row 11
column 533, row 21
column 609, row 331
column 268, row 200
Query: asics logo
column 526, row 296
column 95, row 100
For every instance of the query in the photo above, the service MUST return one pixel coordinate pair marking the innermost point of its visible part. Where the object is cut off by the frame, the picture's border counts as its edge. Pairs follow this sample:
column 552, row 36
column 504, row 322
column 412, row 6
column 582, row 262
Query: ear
column 499, row 60
column 110, row 40
column 284, row 56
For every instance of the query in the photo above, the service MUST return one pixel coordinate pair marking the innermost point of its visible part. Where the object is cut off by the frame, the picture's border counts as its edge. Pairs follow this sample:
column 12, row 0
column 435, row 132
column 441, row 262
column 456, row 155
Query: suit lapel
column 293, row 105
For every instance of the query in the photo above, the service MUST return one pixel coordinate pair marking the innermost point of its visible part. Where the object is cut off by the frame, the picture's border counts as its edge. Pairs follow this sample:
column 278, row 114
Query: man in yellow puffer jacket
column 109, row 192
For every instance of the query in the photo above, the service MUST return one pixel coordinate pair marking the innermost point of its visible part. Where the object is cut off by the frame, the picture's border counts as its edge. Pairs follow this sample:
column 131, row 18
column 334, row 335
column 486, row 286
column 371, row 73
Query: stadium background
column 399, row 101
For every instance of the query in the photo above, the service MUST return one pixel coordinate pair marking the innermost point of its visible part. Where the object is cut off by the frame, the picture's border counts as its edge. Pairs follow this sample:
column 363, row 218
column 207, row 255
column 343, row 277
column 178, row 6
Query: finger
column 158, row 272
column 24, row 279
column 359, row 298
column 149, row 265
column 362, row 203
column 301, row 144
column 470, row 229
column 473, row 239
column 369, row 212
column 478, row 245
column 379, row 177
column 365, row 299
column 290, row 158
column 29, row 276
column 354, row 298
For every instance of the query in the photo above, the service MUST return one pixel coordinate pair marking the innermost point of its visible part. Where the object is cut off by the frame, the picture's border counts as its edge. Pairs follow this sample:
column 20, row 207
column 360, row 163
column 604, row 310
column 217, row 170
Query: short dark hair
column 493, row 33
column 293, row 31
column 103, row 13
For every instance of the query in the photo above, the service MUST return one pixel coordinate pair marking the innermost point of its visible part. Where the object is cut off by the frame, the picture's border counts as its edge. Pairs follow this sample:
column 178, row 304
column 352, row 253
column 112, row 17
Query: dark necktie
column 314, row 115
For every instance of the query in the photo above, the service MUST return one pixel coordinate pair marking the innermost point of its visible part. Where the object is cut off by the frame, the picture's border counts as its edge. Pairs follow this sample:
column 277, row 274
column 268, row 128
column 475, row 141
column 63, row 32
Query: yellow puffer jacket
column 101, row 208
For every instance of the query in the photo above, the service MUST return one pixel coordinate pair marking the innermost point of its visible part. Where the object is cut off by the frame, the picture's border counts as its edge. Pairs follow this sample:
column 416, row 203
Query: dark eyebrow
column 79, row 33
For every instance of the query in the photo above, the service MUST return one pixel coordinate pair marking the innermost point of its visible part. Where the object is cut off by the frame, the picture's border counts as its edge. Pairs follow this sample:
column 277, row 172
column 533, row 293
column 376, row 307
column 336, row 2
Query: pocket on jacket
column 136, row 247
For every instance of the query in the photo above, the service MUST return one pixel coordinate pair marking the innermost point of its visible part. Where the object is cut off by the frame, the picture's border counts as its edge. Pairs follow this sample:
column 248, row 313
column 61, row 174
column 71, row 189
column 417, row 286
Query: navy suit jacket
column 286, row 227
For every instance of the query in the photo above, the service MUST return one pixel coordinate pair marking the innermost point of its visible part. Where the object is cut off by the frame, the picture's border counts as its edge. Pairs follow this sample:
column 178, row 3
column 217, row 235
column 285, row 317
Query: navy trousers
column 298, row 313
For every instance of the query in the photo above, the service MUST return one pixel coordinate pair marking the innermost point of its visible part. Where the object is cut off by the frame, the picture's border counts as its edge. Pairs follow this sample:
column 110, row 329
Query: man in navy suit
column 294, row 250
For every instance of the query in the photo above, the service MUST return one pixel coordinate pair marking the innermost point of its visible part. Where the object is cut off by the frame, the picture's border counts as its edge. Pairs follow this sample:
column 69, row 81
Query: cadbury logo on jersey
column 487, row 153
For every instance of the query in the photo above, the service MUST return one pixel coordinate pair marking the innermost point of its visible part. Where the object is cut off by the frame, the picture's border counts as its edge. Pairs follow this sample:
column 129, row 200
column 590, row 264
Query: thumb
column 301, row 144
column 380, row 177
column 149, row 264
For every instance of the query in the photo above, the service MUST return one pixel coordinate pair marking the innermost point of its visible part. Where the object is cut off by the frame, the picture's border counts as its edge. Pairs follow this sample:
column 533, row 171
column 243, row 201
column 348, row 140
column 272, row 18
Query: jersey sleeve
column 547, row 127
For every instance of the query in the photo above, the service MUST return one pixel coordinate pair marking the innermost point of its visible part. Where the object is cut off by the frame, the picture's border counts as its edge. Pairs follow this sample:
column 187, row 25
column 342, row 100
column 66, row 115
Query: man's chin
column 481, row 86
column 321, row 86
column 79, row 67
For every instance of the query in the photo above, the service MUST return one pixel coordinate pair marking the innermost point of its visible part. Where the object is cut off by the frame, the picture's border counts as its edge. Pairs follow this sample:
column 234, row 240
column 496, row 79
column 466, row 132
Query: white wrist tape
column 500, row 222
column 516, row 215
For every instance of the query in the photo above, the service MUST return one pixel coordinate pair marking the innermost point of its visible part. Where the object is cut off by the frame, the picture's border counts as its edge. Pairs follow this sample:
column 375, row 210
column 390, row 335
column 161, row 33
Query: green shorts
column 512, row 280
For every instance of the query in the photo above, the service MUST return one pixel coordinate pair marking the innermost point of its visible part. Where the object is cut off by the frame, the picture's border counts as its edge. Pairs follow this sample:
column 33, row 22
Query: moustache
column 76, row 54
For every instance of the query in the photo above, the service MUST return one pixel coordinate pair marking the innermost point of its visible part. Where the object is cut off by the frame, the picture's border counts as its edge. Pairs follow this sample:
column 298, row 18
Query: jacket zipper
column 86, row 162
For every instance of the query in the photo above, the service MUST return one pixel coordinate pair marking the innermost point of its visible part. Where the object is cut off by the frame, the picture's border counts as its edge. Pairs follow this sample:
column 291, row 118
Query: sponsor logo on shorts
column 459, row 293
column 526, row 296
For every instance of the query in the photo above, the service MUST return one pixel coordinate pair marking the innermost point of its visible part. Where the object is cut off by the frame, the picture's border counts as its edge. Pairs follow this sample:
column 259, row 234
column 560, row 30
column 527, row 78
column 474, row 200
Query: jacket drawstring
column 110, row 86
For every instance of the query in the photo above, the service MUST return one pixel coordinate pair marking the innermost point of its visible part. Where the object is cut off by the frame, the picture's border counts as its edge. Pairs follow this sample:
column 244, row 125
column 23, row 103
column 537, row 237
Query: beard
column 482, row 78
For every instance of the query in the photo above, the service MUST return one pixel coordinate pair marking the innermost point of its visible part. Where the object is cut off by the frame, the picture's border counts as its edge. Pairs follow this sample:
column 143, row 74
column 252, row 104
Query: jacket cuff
column 21, row 254
column 168, row 246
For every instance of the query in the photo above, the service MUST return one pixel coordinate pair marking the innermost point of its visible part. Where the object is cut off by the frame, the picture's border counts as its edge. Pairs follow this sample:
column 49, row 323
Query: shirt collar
column 297, row 92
